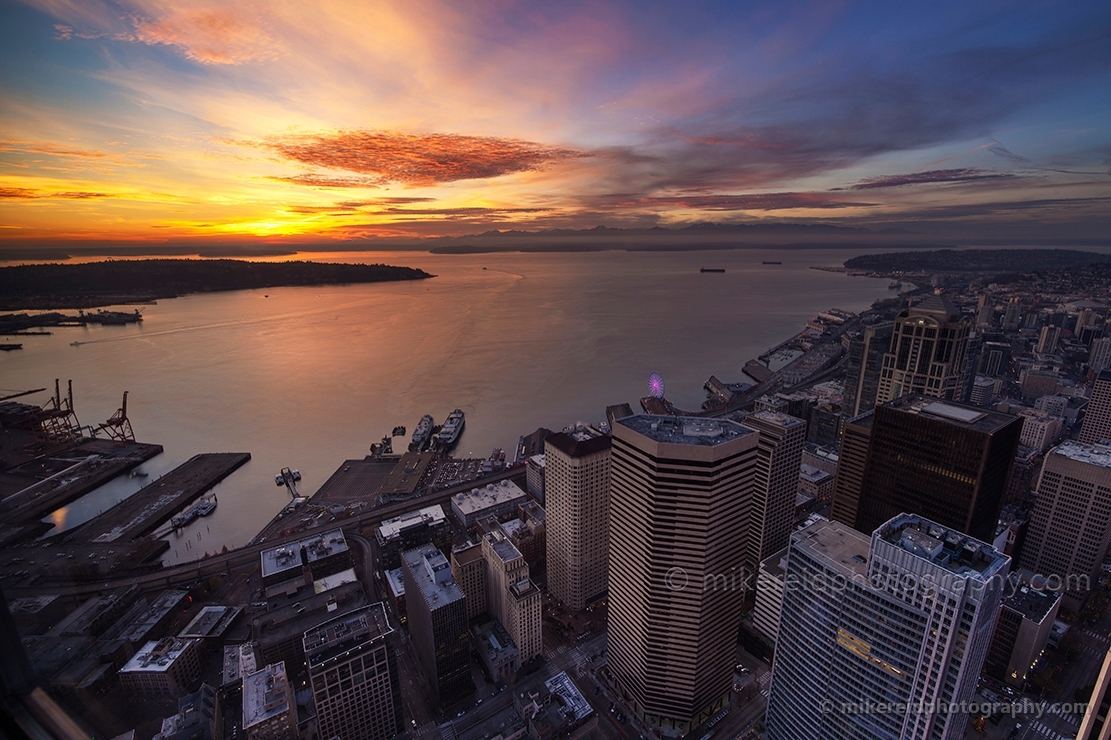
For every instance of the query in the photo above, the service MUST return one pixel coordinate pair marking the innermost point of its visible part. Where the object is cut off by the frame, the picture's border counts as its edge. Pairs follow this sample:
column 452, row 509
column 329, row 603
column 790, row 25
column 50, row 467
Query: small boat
column 75, row 344
column 712, row 269
column 205, row 507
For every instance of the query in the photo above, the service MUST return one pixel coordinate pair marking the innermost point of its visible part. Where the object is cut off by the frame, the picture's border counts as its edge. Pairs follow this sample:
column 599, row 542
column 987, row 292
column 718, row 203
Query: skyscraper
column 947, row 461
column 1095, row 726
column 1071, row 525
column 511, row 596
column 353, row 676
column 437, row 618
column 1100, row 357
column 679, row 493
column 577, row 491
column 776, row 484
column 1097, row 417
column 866, row 354
column 927, row 354
column 902, row 618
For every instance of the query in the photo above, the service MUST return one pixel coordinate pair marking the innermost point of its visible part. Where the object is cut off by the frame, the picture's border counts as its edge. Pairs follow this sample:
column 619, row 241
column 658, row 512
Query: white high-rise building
column 577, row 497
column 1100, row 357
column 679, row 498
column 901, row 619
column 927, row 354
column 511, row 596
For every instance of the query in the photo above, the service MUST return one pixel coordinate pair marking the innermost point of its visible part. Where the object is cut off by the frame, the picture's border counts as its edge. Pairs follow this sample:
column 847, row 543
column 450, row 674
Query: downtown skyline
column 161, row 123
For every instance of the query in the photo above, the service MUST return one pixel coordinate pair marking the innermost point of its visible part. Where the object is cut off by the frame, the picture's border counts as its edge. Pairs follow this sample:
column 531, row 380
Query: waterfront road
column 196, row 570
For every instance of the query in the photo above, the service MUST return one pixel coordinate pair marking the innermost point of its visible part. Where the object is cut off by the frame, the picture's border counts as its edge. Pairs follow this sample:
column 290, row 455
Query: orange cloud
column 209, row 36
column 332, row 181
column 29, row 147
column 418, row 159
column 29, row 194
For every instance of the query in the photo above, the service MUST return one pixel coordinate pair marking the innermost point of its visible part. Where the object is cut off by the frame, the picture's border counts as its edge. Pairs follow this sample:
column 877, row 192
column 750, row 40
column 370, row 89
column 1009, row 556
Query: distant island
column 134, row 281
column 975, row 260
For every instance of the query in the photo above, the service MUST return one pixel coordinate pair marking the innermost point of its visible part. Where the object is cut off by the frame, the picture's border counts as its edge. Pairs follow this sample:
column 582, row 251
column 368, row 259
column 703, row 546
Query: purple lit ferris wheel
column 656, row 385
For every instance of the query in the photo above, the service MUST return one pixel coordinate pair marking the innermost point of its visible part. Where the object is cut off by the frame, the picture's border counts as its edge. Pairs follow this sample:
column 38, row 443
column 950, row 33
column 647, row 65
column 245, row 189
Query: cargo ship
column 712, row 269
column 422, row 433
column 771, row 262
column 452, row 428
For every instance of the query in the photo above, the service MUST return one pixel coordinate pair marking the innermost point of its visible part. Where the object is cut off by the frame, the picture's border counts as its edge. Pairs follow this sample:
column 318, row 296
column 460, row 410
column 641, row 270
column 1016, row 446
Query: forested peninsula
column 114, row 282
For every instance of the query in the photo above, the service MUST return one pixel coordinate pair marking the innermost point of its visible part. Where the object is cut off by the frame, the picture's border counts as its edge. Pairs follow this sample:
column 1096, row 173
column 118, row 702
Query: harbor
column 156, row 503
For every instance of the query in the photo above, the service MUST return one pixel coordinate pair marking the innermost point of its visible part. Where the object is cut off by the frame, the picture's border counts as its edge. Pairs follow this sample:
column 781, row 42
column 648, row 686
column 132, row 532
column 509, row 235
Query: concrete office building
column 170, row 667
column 927, row 354
column 577, row 485
column 769, row 595
column 353, row 676
column 1094, row 725
column 468, row 567
column 411, row 529
column 949, row 462
column 1097, row 417
column 494, row 499
column 511, row 596
column 1039, row 430
column 911, row 625
column 269, row 707
column 772, row 506
column 1022, row 631
column 1071, row 525
column 437, row 616
column 679, row 498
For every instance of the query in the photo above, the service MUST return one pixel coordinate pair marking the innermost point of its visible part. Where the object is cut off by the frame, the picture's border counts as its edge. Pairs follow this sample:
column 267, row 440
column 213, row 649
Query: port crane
column 289, row 478
column 118, row 426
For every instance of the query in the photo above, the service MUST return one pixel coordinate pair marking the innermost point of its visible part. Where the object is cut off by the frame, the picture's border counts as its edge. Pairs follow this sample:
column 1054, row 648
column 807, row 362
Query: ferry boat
column 204, row 508
column 422, row 433
column 452, row 428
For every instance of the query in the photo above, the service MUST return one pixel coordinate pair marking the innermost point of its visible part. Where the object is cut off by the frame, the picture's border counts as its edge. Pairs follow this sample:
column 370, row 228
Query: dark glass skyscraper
column 865, row 364
column 945, row 461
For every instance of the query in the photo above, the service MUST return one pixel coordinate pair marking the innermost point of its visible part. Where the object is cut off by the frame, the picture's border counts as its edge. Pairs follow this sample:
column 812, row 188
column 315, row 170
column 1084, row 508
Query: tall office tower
column 1097, row 417
column 972, row 364
column 995, row 359
column 577, row 495
column 985, row 317
column 468, row 566
column 776, row 485
column 1071, row 525
column 983, row 391
column 1086, row 319
column 1095, row 726
column 437, row 614
column 865, row 365
column 911, row 626
column 948, row 461
column 1047, row 342
column 1100, row 357
column 856, row 438
column 1012, row 317
column 928, row 352
column 353, row 676
column 511, row 596
column 679, row 496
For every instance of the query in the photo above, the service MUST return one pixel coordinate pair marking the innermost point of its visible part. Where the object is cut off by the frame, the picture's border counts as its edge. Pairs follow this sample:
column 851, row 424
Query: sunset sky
column 156, row 120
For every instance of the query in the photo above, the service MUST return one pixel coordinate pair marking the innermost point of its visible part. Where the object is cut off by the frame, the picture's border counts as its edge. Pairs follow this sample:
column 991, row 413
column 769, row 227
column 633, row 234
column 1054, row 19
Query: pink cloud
column 209, row 36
